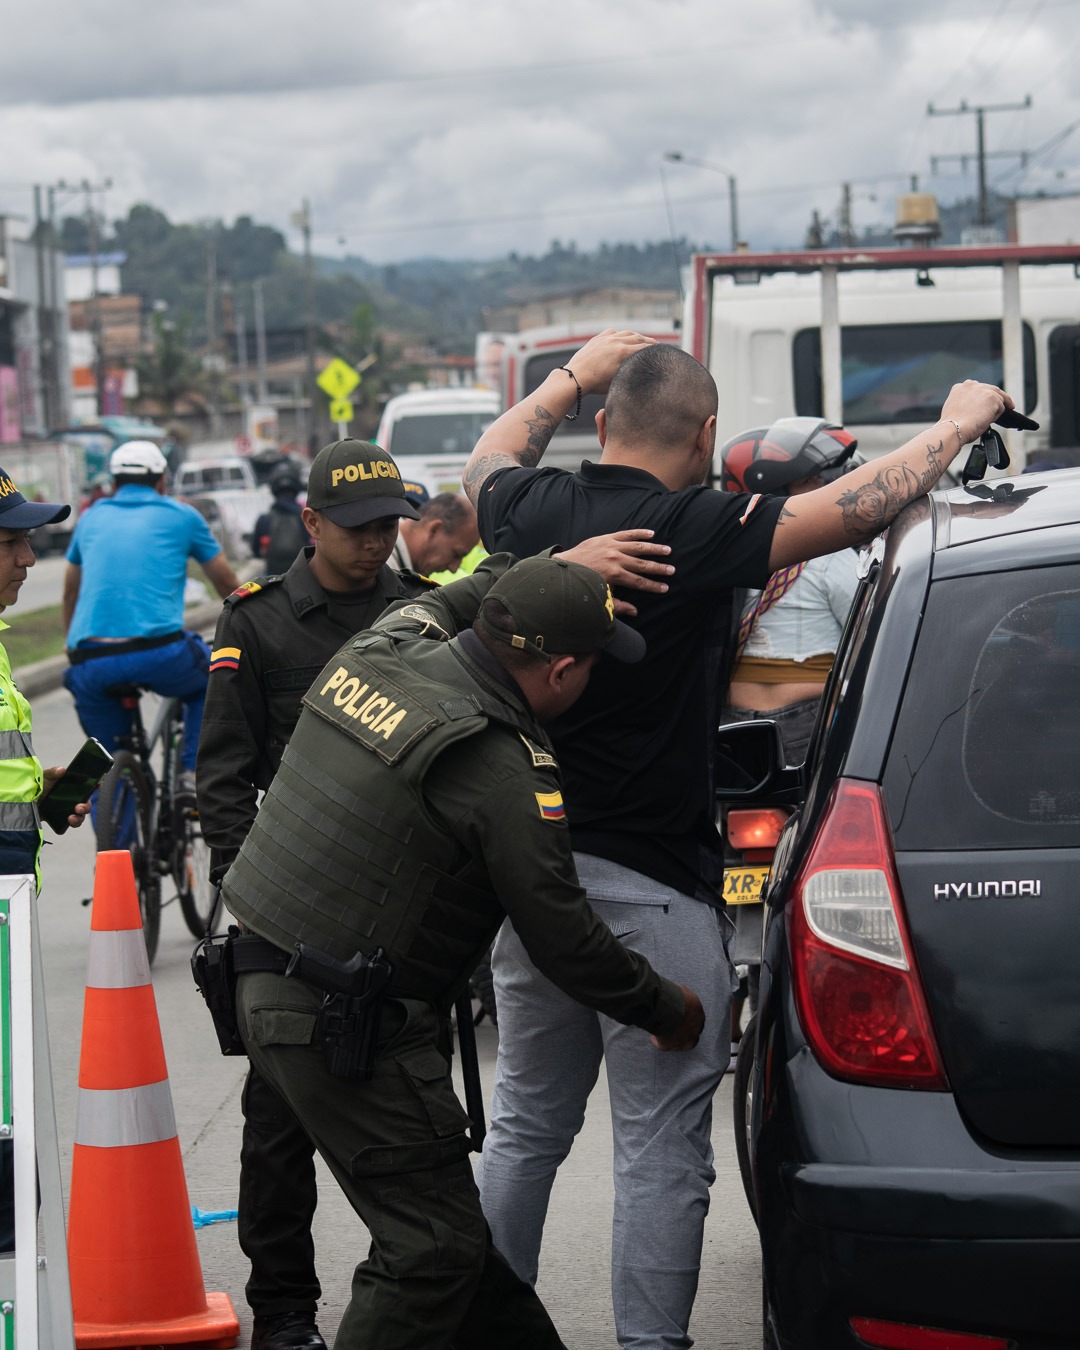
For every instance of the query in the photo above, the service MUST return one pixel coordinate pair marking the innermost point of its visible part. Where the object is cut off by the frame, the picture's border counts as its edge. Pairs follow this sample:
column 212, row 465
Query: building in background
column 34, row 384
column 106, row 336
column 582, row 305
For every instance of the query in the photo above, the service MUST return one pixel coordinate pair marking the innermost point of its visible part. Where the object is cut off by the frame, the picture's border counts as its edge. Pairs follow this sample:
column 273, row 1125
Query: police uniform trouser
column 396, row 1146
column 278, row 1195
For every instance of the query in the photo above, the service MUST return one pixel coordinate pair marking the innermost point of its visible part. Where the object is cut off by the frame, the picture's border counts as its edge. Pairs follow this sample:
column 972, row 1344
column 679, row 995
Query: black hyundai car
column 911, row 1095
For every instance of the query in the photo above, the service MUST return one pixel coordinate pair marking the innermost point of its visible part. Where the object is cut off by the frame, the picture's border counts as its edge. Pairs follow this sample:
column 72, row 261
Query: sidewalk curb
column 42, row 677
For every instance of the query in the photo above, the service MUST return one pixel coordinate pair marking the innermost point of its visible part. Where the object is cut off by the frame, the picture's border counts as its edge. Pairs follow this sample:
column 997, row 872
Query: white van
column 431, row 433
column 197, row 475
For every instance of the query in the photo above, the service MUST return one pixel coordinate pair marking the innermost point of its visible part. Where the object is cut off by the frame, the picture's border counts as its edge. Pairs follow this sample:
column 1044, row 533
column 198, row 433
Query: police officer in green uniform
column 418, row 804
column 273, row 638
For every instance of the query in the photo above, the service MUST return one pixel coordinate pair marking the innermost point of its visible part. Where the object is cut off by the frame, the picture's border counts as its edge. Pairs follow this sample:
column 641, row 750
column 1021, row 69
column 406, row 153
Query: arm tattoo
column 869, row 508
column 479, row 471
column 934, row 466
column 785, row 514
column 541, row 429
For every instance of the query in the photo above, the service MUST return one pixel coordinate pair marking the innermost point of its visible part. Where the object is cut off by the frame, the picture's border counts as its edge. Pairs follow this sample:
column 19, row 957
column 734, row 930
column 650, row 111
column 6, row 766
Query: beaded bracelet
column 572, row 417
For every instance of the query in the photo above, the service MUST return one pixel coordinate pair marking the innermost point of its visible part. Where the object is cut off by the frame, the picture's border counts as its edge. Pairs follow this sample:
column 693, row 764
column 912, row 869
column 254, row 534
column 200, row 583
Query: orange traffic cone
column 135, row 1273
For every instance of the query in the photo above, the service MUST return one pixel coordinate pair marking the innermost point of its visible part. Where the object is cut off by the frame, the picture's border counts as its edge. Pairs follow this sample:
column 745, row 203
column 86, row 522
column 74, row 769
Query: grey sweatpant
column 661, row 1103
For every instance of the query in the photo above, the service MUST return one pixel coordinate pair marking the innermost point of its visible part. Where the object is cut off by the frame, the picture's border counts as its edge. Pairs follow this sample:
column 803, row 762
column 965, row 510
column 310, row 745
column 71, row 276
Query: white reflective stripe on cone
column 119, row 1117
column 117, row 960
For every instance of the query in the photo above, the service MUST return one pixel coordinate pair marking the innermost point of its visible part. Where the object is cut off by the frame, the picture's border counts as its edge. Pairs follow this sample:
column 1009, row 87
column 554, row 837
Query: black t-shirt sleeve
column 499, row 493
column 720, row 539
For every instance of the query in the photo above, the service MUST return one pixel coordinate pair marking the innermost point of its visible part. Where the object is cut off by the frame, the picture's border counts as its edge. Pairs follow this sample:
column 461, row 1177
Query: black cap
column 16, row 513
column 354, row 482
column 562, row 608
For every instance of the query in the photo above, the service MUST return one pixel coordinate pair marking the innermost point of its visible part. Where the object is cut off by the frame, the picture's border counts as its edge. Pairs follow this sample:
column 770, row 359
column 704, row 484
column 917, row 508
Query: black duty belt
column 251, row 952
column 77, row 655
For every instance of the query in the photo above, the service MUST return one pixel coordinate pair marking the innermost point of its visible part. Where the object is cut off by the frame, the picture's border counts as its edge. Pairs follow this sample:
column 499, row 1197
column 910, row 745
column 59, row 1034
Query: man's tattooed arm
column 867, row 509
column 541, row 427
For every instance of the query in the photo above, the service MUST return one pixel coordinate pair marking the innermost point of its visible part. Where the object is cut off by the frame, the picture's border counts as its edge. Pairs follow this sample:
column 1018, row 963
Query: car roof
column 1006, row 506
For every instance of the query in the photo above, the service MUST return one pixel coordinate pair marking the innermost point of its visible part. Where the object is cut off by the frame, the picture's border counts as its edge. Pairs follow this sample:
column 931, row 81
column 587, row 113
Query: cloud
column 435, row 126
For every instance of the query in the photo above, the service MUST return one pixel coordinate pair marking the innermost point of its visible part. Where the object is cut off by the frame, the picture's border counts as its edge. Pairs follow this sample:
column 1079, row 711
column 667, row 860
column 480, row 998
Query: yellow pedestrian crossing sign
column 338, row 379
column 341, row 410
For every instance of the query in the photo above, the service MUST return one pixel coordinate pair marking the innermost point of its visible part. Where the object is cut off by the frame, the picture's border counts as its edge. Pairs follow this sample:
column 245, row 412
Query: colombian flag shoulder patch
column 551, row 805
column 225, row 658
column 246, row 589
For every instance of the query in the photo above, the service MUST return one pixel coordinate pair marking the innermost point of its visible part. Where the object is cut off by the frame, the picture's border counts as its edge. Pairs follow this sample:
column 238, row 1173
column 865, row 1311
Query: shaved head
column 660, row 398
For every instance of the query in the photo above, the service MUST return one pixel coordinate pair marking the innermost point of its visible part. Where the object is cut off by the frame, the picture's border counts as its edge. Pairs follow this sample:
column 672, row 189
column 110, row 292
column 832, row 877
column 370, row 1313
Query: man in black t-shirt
column 635, row 755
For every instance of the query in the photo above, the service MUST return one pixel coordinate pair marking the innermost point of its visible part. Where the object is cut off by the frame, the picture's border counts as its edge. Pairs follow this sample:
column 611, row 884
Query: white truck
column 874, row 338
column 431, row 433
column 49, row 471
column 530, row 356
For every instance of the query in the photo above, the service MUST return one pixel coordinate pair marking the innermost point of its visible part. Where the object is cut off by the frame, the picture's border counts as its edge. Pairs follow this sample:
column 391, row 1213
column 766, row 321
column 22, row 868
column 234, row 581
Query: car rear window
column 986, row 752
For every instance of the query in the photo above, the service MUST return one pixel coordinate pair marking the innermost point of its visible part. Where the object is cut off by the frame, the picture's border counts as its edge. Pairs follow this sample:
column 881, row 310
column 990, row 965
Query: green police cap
column 561, row 608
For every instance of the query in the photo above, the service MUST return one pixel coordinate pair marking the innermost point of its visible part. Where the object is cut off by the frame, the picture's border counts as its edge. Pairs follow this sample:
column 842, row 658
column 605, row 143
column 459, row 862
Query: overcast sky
column 446, row 128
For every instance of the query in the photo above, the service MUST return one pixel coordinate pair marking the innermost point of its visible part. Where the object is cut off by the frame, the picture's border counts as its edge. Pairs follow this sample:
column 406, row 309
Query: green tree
column 169, row 370
column 382, row 376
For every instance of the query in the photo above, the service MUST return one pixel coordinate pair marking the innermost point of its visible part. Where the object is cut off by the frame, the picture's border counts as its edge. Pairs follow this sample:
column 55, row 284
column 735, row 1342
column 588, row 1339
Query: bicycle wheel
column 124, row 810
column 191, row 872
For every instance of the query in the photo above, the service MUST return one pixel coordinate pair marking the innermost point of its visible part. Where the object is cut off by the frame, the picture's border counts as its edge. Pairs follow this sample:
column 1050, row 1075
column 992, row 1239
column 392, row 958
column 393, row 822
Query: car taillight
column 857, row 992
column 751, row 831
column 904, row 1336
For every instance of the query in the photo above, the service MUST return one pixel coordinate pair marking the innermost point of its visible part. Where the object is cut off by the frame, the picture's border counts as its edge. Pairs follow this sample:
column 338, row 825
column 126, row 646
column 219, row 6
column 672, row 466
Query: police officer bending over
column 273, row 638
column 418, row 803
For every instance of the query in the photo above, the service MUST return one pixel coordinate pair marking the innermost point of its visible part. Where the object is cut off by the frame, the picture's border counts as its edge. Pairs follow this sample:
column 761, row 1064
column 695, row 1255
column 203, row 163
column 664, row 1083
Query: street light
column 677, row 157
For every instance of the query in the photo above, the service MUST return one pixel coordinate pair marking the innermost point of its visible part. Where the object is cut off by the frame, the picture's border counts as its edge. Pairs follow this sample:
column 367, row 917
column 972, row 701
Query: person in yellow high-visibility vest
column 23, row 782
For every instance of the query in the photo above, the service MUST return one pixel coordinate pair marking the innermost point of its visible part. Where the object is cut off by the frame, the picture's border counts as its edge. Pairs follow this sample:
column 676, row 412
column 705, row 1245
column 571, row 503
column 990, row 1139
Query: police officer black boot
column 288, row 1331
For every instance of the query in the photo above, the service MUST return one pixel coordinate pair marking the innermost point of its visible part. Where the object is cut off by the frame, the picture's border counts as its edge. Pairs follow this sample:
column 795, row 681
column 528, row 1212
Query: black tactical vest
column 343, row 854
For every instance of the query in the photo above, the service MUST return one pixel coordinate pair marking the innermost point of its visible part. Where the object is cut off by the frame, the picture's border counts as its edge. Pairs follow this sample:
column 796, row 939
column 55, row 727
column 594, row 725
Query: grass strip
column 33, row 636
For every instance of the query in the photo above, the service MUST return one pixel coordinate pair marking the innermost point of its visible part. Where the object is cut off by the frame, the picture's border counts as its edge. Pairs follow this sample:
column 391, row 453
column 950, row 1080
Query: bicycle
column 140, row 810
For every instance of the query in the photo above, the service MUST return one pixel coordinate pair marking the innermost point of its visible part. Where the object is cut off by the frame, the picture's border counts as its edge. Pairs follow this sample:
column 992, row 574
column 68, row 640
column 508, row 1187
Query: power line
column 1047, row 148
column 981, row 152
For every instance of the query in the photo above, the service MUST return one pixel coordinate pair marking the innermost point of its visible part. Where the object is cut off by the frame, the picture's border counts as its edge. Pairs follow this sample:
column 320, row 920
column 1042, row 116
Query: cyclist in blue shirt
column 124, row 600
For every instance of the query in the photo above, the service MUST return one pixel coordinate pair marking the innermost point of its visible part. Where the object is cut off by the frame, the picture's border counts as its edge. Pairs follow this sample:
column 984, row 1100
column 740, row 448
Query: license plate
column 744, row 885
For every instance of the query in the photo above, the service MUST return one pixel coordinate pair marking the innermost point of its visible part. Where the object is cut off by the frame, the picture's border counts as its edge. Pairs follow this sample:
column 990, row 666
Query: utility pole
column 981, row 153
column 44, row 318
column 212, row 354
column 677, row 157
column 95, row 303
column 88, row 189
column 242, row 360
column 260, row 343
column 844, row 227
column 302, row 219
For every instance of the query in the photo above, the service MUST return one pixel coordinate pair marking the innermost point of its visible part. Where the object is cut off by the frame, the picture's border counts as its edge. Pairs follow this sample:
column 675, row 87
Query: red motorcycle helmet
column 767, row 459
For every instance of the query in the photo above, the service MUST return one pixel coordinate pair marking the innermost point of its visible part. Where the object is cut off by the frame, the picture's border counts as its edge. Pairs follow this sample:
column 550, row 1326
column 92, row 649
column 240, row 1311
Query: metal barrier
column 35, row 1294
